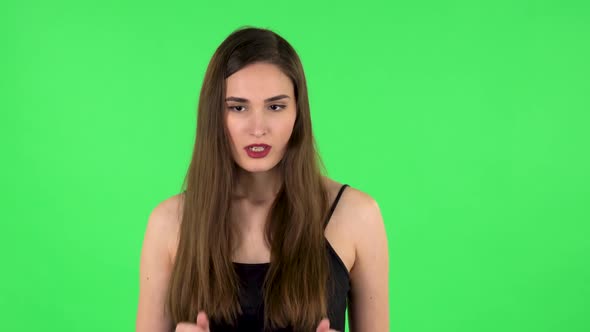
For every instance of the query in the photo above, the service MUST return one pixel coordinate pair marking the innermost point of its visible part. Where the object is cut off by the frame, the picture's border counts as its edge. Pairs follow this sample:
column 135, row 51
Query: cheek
column 287, row 129
column 233, row 125
column 232, row 128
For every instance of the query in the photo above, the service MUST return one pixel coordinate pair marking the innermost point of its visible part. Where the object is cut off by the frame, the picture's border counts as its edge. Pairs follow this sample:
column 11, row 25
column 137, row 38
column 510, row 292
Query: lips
column 258, row 145
column 258, row 150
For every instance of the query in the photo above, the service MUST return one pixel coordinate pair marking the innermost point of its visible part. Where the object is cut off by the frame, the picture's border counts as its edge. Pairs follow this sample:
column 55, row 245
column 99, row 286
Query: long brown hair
column 203, row 276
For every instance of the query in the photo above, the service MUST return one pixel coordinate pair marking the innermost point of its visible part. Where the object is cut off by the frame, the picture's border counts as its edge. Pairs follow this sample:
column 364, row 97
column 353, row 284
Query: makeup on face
column 258, row 150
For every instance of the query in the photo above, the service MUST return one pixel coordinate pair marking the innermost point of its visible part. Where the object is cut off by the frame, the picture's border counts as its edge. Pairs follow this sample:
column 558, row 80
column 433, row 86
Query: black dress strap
column 333, row 207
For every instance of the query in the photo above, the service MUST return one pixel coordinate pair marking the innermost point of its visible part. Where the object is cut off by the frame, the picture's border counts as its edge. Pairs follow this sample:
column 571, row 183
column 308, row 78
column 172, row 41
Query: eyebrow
column 244, row 100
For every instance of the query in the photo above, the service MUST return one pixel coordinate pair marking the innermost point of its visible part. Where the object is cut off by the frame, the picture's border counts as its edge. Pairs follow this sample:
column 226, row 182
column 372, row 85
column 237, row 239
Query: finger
column 203, row 321
column 187, row 327
column 323, row 326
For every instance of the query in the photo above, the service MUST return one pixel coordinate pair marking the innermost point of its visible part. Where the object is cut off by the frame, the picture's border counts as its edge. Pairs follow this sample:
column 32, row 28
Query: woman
column 260, row 239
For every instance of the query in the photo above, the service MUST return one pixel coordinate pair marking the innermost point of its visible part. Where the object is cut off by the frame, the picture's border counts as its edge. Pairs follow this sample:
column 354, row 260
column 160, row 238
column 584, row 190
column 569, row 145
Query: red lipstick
column 257, row 150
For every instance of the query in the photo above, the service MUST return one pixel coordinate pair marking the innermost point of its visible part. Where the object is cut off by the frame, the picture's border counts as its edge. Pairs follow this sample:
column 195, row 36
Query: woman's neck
column 257, row 188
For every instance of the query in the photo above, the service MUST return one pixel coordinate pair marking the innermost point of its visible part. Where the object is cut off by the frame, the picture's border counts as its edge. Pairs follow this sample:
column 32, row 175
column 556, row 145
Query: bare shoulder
column 171, row 207
column 355, row 220
column 165, row 218
column 359, row 221
column 356, row 207
column 156, row 265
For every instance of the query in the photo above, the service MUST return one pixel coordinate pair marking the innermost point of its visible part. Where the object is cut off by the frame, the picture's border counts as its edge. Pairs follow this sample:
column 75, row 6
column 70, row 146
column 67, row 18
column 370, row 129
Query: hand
column 201, row 326
column 324, row 326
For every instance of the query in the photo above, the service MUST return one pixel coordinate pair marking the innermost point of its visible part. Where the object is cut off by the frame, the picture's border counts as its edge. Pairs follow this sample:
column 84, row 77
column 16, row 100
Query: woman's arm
column 369, row 303
column 154, row 270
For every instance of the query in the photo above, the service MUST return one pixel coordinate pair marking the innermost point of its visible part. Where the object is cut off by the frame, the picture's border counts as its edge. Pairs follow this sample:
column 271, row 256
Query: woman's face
column 260, row 109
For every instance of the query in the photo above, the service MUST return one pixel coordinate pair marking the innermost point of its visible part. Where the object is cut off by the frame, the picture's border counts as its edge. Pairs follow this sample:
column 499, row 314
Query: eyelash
column 282, row 107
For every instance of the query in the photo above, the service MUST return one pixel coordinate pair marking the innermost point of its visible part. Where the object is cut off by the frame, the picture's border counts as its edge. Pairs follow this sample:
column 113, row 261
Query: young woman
column 260, row 239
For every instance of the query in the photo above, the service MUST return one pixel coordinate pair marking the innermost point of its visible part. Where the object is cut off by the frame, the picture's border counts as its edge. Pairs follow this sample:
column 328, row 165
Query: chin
column 261, row 166
column 256, row 169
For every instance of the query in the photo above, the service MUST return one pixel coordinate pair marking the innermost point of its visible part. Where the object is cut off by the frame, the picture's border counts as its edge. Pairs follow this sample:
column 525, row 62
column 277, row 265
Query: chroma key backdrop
column 467, row 121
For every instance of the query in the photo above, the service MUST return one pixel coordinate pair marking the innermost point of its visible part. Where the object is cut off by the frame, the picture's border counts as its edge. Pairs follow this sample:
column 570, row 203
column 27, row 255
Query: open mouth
column 257, row 150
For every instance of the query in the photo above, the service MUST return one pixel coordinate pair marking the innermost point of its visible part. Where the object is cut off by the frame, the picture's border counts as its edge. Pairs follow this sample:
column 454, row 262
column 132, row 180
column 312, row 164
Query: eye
column 280, row 107
column 274, row 108
column 233, row 108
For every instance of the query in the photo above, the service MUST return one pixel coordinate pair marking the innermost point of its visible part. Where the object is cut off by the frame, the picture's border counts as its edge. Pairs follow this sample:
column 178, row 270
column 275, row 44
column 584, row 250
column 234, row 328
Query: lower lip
column 255, row 154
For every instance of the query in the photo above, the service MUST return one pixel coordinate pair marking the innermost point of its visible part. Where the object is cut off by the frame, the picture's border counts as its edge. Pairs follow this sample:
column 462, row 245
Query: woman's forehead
column 257, row 82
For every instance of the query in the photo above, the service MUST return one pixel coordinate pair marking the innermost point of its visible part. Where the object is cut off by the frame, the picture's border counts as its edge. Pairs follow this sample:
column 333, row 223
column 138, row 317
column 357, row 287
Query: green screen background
column 467, row 121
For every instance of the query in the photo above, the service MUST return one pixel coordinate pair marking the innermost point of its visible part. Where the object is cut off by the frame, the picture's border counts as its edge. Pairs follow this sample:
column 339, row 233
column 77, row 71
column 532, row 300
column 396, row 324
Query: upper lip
column 258, row 144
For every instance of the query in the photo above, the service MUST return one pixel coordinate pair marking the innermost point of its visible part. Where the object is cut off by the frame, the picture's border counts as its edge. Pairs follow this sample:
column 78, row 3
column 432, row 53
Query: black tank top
column 251, row 298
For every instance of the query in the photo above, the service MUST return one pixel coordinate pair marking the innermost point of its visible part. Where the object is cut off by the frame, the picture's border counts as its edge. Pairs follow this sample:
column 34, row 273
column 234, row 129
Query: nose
column 258, row 123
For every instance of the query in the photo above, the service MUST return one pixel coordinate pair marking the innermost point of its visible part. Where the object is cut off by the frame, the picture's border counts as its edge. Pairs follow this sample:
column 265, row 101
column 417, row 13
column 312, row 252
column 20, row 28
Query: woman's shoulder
column 168, row 214
column 171, row 209
column 355, row 201
column 356, row 212
column 349, row 224
column 352, row 199
column 350, row 216
column 357, row 233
